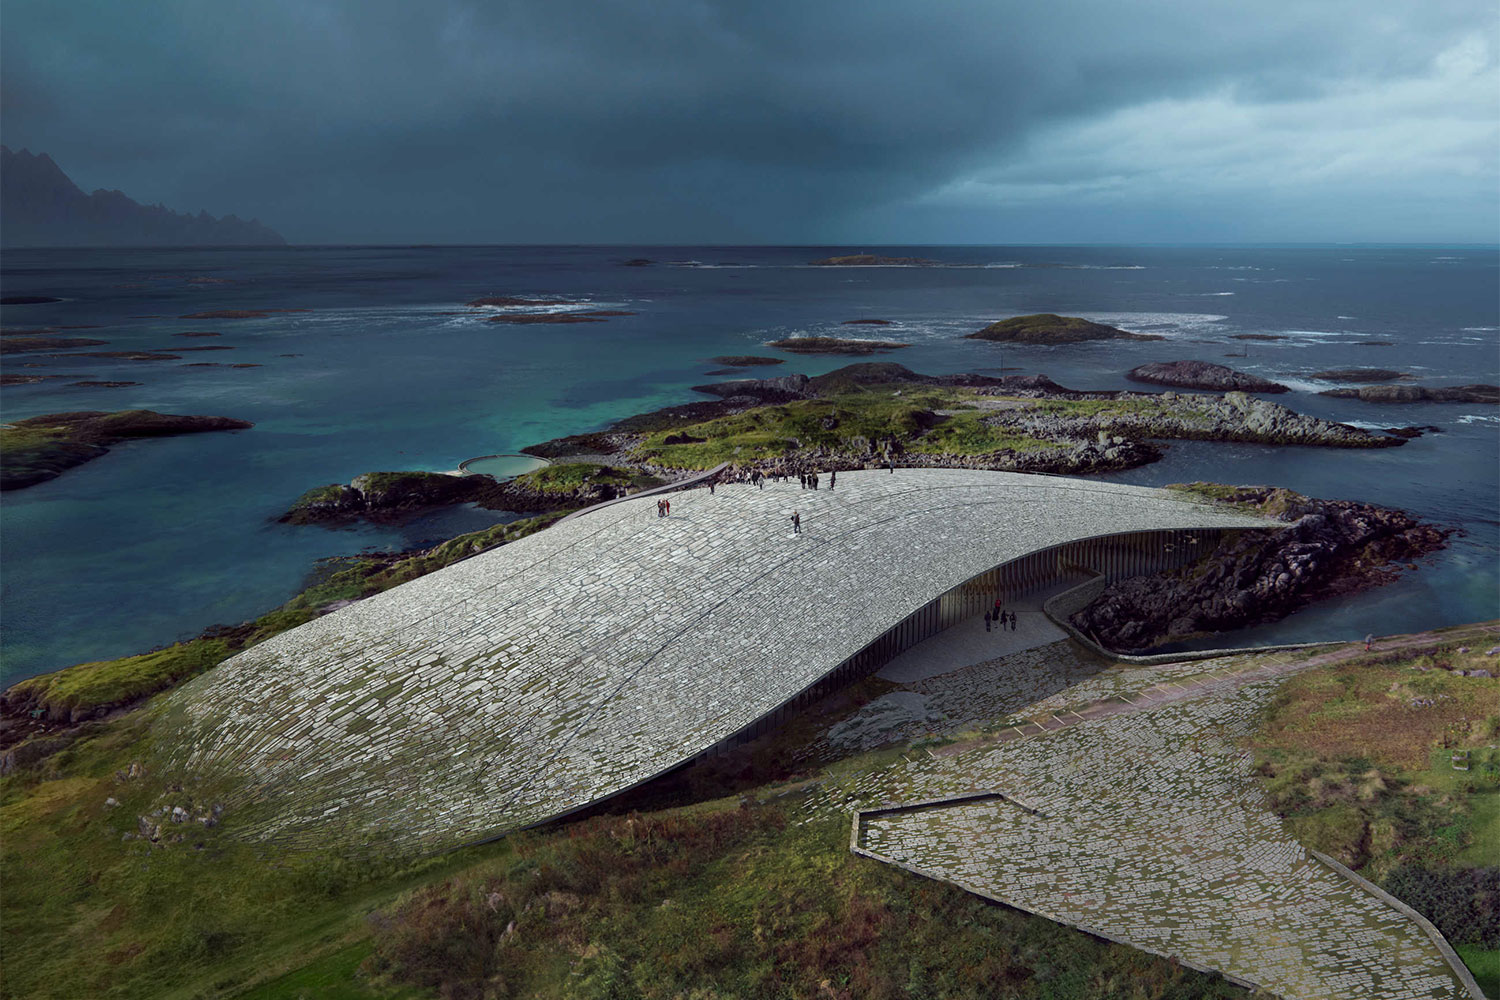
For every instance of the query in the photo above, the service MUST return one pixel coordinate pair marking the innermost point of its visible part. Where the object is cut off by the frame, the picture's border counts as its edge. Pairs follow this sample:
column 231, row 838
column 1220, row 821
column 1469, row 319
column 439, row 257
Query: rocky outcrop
column 1050, row 328
column 1330, row 548
column 515, row 300
column 41, row 448
column 524, row 318
column 1201, row 375
column 833, row 345
column 872, row 260
column 377, row 495
column 745, row 360
column 1419, row 394
column 31, row 344
column 1232, row 417
column 768, row 389
column 1360, row 375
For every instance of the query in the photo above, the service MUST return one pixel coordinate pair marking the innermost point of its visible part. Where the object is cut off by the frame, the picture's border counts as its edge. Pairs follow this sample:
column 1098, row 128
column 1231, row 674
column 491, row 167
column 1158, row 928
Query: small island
column 833, row 345
column 1201, row 375
column 745, row 360
column 41, row 448
column 515, row 300
column 25, row 344
column 1360, row 375
column 1419, row 394
column 525, row 318
column 873, row 260
column 1050, row 328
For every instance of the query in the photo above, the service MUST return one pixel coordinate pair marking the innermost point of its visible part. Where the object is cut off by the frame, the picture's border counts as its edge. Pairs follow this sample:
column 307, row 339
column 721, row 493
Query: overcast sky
column 762, row 121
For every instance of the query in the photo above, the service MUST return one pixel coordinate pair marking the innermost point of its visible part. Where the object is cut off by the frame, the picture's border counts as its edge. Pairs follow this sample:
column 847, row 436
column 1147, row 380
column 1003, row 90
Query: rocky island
column 1050, row 328
column 1419, row 394
column 873, row 260
column 870, row 413
column 1201, row 375
column 1360, row 375
column 833, row 345
column 41, row 448
column 745, row 360
column 33, row 343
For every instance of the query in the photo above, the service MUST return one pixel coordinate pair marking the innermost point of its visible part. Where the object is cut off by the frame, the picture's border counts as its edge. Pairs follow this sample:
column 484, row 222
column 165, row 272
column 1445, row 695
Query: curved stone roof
column 554, row 671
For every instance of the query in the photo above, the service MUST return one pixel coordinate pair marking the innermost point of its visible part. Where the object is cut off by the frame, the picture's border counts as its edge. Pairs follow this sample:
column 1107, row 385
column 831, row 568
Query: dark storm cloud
column 711, row 121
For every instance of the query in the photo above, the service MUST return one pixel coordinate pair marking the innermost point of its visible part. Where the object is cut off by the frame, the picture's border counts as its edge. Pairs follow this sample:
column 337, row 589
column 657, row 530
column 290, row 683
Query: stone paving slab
column 546, row 674
column 1150, row 830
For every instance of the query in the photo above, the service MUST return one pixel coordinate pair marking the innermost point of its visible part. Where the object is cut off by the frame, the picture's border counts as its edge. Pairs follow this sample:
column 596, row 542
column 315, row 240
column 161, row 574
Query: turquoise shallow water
column 388, row 370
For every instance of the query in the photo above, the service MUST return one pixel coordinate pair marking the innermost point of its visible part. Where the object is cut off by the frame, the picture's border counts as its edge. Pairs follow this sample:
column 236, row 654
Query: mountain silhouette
column 41, row 207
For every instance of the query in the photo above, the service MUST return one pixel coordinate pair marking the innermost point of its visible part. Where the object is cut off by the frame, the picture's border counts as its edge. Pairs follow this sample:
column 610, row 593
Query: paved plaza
column 552, row 672
column 1122, row 803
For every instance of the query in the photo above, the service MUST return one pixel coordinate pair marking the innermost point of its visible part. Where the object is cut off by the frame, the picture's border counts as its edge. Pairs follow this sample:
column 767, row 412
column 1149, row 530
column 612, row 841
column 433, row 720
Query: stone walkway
column 968, row 643
column 549, row 673
column 1148, row 829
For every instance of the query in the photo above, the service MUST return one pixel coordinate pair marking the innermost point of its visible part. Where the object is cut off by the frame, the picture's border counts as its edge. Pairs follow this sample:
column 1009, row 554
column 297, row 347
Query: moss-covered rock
column 384, row 494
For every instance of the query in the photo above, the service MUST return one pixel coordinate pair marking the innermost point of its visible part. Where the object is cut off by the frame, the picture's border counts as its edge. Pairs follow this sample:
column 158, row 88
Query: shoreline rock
column 1332, row 548
column 1201, row 375
column 1050, row 328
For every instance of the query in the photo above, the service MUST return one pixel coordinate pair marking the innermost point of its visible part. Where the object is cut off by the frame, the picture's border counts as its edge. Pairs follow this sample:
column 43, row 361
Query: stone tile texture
column 539, row 677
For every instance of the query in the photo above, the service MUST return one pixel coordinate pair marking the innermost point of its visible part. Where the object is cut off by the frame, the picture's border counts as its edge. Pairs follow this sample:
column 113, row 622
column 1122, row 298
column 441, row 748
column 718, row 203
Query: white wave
column 1480, row 329
column 1311, row 333
column 1169, row 325
column 1343, row 317
column 1205, row 295
column 1004, row 264
column 1365, row 425
column 1301, row 384
column 1479, row 418
column 1104, row 267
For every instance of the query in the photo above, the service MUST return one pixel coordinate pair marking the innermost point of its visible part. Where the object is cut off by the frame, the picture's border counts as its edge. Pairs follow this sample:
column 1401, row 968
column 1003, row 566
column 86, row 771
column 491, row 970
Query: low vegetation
column 854, row 423
column 1390, row 764
column 570, row 477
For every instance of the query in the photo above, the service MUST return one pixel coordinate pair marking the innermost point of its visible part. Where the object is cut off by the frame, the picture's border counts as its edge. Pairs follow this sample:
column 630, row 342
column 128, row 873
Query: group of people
column 999, row 619
column 757, row 478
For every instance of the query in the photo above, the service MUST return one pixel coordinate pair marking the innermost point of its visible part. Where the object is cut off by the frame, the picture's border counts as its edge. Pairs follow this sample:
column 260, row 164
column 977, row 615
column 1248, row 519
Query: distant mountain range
column 41, row 207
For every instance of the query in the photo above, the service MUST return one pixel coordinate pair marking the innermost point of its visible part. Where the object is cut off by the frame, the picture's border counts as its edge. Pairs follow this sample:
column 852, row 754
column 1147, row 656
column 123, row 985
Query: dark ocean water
column 160, row 539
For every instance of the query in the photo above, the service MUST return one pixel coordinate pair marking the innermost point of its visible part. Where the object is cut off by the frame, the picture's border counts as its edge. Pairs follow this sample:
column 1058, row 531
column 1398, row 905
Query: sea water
column 388, row 369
